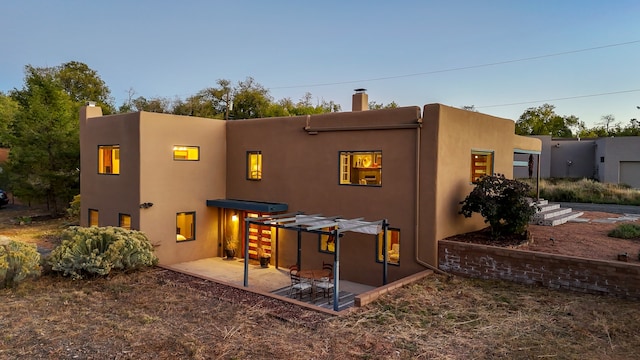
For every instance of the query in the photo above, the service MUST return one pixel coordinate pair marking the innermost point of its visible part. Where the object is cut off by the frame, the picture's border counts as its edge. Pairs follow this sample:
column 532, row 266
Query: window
column 481, row 164
column 393, row 247
column 254, row 165
column 124, row 221
column 109, row 159
column 601, row 159
column 361, row 168
column 185, row 226
column 93, row 217
column 327, row 242
column 186, row 153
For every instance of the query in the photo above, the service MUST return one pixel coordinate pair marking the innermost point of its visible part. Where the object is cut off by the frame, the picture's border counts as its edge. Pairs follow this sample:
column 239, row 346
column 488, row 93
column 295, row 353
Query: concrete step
column 550, row 213
column 548, row 207
column 560, row 219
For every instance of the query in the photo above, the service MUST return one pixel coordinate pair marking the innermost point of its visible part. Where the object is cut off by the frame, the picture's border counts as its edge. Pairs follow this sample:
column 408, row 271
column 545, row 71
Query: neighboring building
column 189, row 182
column 608, row 159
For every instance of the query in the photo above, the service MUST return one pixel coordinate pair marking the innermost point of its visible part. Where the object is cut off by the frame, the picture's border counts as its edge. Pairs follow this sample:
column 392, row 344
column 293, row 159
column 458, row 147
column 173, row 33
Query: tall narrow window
column 185, row 226
column 109, row 159
column 481, row 164
column 393, row 247
column 254, row 165
column 327, row 242
column 93, row 217
column 124, row 221
column 186, row 153
column 361, row 168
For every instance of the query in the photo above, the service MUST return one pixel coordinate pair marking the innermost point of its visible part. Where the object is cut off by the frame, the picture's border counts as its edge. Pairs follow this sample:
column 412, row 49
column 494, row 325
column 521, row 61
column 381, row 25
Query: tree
column 8, row 110
column 375, row 106
column 502, row 202
column 607, row 121
column 44, row 139
column 250, row 100
column 544, row 121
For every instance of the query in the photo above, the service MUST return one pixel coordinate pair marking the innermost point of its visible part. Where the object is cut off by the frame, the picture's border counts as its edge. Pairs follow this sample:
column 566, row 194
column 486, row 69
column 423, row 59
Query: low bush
column 626, row 231
column 18, row 261
column 502, row 202
column 73, row 212
column 97, row 251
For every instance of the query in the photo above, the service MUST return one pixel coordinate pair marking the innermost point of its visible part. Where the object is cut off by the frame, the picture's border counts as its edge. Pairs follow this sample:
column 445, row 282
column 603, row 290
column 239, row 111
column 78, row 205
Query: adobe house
column 607, row 159
column 190, row 182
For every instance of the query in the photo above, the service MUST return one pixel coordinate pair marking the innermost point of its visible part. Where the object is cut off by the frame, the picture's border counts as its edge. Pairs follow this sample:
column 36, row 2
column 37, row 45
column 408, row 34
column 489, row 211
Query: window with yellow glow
column 109, row 159
column 93, row 217
column 124, row 221
column 361, row 168
column 327, row 242
column 186, row 153
column 481, row 164
column 254, row 165
column 393, row 247
column 185, row 226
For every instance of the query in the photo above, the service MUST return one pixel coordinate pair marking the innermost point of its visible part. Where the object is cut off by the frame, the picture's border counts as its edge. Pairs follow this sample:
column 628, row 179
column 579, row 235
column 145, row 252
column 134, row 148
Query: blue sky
column 410, row 52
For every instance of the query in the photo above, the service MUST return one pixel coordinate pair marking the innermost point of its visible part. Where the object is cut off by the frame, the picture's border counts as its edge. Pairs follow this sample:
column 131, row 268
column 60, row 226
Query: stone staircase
column 553, row 214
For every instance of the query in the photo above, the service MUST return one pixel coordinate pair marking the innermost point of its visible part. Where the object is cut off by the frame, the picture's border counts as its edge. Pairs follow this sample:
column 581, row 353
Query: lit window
column 393, row 247
column 254, row 165
column 109, row 159
column 185, row 226
column 93, row 217
column 481, row 164
column 124, row 221
column 361, row 168
column 187, row 153
column 327, row 242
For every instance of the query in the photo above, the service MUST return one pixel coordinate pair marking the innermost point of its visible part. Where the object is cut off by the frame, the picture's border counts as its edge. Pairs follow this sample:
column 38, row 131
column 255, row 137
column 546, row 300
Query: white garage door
column 630, row 173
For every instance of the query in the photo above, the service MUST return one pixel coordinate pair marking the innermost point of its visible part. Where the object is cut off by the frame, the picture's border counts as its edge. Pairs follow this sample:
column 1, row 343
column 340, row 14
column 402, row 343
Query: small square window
column 393, row 247
column 185, row 226
column 361, row 168
column 481, row 164
column 109, row 159
column 254, row 165
column 186, row 153
column 93, row 217
column 601, row 159
column 124, row 221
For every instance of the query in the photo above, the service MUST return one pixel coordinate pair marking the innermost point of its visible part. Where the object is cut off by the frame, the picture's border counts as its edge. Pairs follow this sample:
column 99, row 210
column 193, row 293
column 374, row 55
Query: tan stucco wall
column 456, row 133
column 302, row 170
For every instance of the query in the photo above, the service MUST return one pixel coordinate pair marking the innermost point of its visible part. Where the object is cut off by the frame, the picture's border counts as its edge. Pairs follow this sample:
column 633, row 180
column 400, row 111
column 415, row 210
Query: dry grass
column 158, row 314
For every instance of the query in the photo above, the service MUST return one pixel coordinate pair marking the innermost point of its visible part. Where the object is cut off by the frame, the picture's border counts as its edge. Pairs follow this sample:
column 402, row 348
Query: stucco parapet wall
column 535, row 268
column 527, row 143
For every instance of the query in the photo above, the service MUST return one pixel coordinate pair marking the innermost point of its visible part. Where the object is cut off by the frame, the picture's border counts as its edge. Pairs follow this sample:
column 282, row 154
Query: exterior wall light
column 146, row 205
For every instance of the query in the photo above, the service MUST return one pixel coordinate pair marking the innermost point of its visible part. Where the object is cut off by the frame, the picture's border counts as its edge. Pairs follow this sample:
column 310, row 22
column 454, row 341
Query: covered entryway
column 319, row 224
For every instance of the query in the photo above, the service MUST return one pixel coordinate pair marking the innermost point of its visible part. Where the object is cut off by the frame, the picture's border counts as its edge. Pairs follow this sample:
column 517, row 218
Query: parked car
column 4, row 199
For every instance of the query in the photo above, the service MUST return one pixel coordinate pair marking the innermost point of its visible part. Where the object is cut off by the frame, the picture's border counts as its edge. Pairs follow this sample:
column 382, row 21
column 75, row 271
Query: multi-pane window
column 124, row 221
column 93, row 217
column 187, row 153
column 109, row 159
column 361, row 168
column 393, row 247
column 481, row 164
column 185, row 226
column 254, row 165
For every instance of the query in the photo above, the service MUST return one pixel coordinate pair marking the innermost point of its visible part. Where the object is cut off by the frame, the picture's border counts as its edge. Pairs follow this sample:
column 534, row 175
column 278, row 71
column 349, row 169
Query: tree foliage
column 502, row 202
column 18, row 261
column 543, row 120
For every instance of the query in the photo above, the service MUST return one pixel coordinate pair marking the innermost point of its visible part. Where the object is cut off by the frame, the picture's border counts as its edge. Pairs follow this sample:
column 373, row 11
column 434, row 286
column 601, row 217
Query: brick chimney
column 360, row 100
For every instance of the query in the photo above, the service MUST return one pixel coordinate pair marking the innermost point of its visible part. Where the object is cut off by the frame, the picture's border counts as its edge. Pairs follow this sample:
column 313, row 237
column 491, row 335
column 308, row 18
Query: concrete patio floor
column 261, row 279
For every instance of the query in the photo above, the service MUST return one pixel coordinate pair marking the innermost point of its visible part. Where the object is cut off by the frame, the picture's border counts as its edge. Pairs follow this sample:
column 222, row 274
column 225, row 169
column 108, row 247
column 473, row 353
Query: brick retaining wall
column 555, row 271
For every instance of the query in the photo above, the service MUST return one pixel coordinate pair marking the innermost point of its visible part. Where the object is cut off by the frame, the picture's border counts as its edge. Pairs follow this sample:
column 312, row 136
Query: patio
column 264, row 280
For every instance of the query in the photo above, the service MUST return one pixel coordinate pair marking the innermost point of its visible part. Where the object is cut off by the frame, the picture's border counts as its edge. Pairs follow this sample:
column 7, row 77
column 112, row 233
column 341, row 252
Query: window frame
column 114, row 154
column 186, row 148
column 193, row 227
column 90, row 217
column 249, row 165
column 348, row 167
column 324, row 238
column 489, row 168
column 379, row 243
column 120, row 222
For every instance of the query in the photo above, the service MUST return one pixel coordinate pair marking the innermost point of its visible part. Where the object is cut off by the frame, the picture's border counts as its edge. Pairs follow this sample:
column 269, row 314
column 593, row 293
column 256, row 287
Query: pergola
column 318, row 224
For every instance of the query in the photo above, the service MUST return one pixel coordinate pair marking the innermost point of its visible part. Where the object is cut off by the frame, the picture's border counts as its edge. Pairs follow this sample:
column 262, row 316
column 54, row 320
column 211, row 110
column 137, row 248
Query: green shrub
column 626, row 231
column 502, row 202
column 18, row 261
column 73, row 212
column 98, row 250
